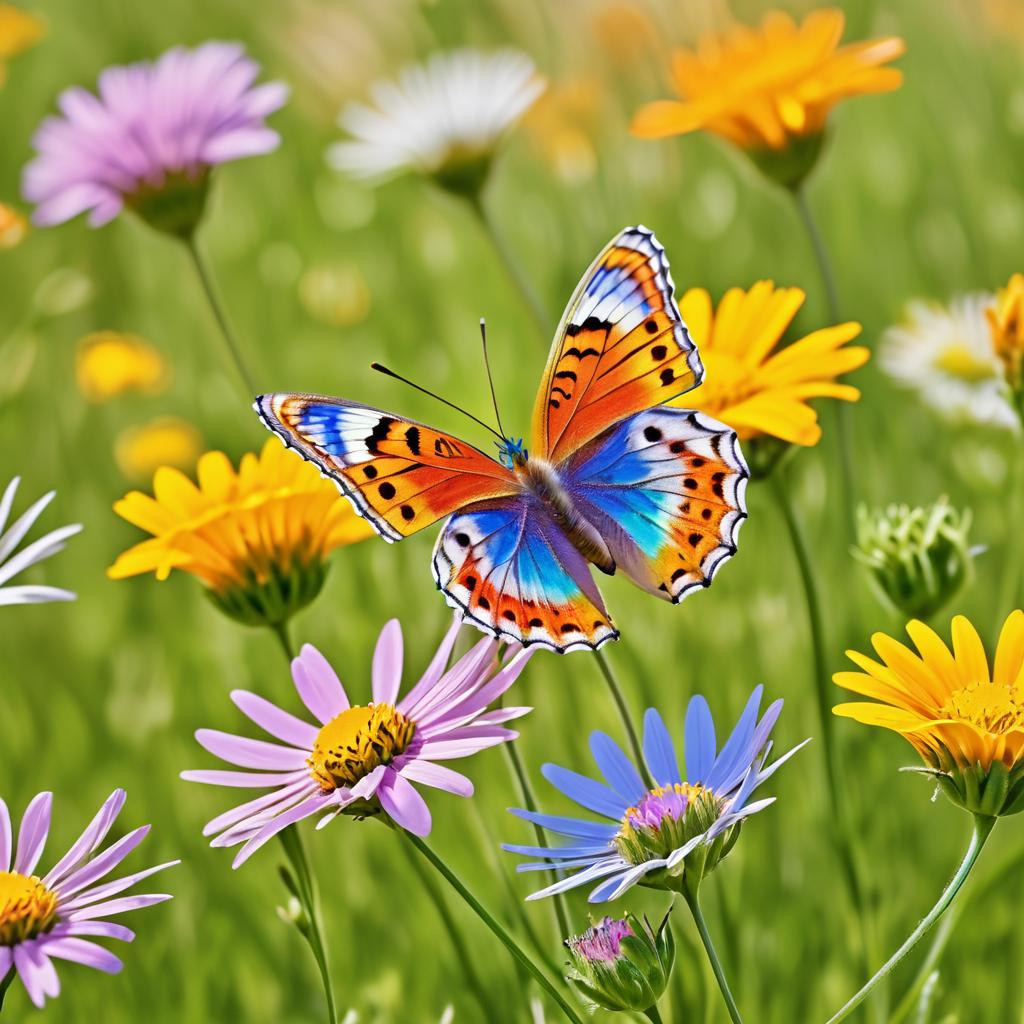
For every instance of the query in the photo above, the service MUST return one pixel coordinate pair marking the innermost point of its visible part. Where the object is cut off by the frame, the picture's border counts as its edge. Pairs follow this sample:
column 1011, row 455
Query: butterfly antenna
column 458, row 408
column 490, row 378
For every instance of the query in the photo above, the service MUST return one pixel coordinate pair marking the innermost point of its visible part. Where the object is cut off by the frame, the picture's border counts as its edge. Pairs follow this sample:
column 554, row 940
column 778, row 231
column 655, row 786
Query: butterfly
column 612, row 478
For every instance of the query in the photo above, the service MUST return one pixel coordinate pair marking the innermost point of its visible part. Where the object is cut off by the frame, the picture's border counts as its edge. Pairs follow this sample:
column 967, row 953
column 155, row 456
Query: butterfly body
column 613, row 477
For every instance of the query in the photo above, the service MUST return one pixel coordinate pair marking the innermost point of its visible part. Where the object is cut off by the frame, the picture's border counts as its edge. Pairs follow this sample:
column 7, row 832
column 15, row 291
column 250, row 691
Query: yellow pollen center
column 991, row 707
column 959, row 360
column 355, row 742
column 27, row 908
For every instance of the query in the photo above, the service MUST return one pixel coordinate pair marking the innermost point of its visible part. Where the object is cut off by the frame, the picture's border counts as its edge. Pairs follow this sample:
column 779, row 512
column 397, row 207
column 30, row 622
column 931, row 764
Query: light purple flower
column 152, row 123
column 54, row 917
column 361, row 759
column 601, row 942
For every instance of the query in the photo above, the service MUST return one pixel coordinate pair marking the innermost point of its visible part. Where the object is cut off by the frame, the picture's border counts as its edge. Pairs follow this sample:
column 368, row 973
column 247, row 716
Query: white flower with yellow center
column 946, row 356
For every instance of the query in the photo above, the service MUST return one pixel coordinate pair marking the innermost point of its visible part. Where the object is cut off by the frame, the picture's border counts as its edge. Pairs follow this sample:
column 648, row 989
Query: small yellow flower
column 1006, row 322
column 166, row 441
column 109, row 363
column 965, row 720
column 257, row 537
column 750, row 386
column 19, row 31
column 13, row 227
column 770, row 88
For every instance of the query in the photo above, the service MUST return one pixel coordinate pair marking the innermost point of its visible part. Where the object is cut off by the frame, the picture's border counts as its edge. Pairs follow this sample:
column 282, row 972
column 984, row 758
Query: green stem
column 495, row 926
column 627, row 721
column 512, row 267
column 1009, row 590
column 280, row 630
column 651, row 1013
column 693, row 902
column 911, row 997
column 291, row 840
column 979, row 834
column 526, row 794
column 5, row 984
column 234, row 349
column 452, row 930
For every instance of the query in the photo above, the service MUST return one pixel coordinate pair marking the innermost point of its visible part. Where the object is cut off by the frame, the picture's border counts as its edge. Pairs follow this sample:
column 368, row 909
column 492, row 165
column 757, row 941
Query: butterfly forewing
column 400, row 475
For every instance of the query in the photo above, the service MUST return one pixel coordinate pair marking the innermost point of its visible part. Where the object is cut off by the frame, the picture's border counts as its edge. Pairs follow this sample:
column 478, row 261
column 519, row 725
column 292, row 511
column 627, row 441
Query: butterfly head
column 512, row 453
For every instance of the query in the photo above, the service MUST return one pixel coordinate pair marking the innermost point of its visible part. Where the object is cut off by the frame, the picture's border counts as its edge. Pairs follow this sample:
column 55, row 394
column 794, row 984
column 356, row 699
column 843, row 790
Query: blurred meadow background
column 918, row 195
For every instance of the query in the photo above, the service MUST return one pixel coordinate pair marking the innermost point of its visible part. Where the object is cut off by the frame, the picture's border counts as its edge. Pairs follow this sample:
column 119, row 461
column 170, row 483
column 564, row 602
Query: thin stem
column 280, row 630
column 979, row 834
column 911, row 996
column 513, row 268
column 495, row 926
column 234, row 349
column 1009, row 590
column 291, row 840
column 651, row 1013
column 526, row 794
column 693, row 902
column 452, row 930
column 5, row 984
column 627, row 722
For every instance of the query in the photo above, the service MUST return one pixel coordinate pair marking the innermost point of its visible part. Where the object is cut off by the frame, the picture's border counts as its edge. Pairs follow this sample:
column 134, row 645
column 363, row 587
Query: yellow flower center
column 990, row 707
column 27, row 908
column 355, row 742
column 959, row 360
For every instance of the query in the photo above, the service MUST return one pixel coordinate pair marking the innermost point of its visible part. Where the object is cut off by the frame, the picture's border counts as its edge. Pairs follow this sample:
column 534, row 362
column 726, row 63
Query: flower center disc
column 959, row 360
column 358, row 740
column 27, row 908
column 665, row 819
column 990, row 707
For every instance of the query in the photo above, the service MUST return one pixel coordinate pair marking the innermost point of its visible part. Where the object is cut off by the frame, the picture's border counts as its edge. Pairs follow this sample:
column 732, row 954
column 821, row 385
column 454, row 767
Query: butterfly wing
column 621, row 347
column 398, row 474
column 665, row 488
column 510, row 569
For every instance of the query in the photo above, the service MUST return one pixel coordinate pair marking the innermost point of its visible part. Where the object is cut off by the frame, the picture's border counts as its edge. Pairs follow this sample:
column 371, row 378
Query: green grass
column 918, row 195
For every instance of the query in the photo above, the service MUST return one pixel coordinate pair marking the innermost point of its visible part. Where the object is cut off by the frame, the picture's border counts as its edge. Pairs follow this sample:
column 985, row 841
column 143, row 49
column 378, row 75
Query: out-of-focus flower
column 444, row 119
column 13, row 227
column 770, row 90
column 63, row 291
column 19, row 31
column 109, row 363
column 965, row 721
column 1006, row 323
column 749, row 385
column 150, row 137
column 335, row 294
column 946, row 356
column 919, row 558
column 166, row 441
column 625, row 33
column 671, row 836
column 622, row 964
column 361, row 759
column 562, row 126
column 258, row 538
column 13, row 561
column 56, row 917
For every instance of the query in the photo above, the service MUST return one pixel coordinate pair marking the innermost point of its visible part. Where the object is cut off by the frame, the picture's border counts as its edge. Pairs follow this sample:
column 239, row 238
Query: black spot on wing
column 412, row 437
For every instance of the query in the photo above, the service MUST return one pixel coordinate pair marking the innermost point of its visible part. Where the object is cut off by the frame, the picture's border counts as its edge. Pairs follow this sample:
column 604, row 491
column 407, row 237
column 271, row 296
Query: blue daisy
column 656, row 834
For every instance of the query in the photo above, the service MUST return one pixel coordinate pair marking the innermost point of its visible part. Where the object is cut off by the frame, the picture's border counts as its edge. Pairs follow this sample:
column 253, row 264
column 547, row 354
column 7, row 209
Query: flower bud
column 919, row 558
column 622, row 964
column 1006, row 323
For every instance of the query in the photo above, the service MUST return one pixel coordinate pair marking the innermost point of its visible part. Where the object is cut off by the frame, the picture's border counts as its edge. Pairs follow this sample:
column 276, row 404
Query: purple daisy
column 658, row 833
column 361, row 759
column 150, row 136
column 54, row 917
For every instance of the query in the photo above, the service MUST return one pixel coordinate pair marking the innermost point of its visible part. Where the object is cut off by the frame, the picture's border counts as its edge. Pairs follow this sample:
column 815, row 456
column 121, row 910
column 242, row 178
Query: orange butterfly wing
column 621, row 348
column 400, row 475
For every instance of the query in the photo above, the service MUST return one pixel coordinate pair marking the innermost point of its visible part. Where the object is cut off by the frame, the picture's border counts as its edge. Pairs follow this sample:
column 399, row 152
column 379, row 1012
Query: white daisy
column 443, row 118
column 946, row 356
column 12, row 563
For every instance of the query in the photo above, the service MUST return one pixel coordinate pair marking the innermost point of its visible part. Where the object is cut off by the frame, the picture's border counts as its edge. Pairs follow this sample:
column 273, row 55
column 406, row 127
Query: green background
column 918, row 195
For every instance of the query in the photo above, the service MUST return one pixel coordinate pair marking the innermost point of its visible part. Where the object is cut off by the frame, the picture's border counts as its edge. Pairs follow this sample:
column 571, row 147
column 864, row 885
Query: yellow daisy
column 1006, row 322
column 257, row 537
column 964, row 719
column 764, row 88
column 166, row 441
column 748, row 384
column 109, row 363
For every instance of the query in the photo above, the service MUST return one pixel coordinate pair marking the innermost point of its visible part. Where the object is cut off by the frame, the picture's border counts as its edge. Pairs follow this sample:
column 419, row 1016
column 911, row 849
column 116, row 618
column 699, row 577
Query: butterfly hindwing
column 400, row 475
column 621, row 347
column 666, row 490
column 507, row 565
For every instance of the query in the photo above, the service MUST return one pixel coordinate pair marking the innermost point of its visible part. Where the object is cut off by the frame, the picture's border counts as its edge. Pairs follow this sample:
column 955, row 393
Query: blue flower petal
column 557, row 852
column 617, row 768
column 586, row 792
column 567, row 826
column 612, row 888
column 700, row 740
column 659, row 753
column 737, row 752
column 612, row 865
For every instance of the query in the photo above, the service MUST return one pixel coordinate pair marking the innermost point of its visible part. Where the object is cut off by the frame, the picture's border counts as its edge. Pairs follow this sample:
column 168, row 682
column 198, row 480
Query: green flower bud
column 274, row 600
column 622, row 964
column 918, row 558
column 176, row 206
